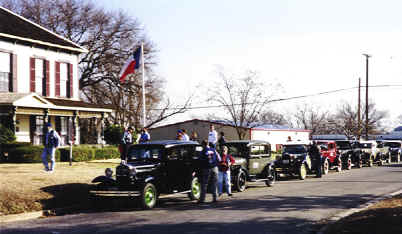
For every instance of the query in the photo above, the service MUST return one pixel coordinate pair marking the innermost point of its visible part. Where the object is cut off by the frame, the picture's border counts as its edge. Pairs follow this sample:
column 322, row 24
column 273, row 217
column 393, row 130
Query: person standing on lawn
column 52, row 141
column 145, row 137
column 224, row 171
column 209, row 159
column 125, row 143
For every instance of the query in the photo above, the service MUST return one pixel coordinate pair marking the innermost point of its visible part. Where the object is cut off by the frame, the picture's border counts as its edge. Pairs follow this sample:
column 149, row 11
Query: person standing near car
column 145, row 137
column 222, row 140
column 315, row 154
column 52, row 141
column 209, row 160
column 224, row 171
column 212, row 136
column 125, row 143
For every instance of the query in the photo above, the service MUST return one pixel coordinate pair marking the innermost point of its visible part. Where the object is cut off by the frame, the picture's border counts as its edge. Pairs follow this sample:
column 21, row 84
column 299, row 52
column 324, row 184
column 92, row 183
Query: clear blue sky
column 307, row 45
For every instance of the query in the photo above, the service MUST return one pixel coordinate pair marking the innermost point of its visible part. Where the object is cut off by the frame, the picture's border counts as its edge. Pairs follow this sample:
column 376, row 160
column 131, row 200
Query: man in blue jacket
column 52, row 141
column 209, row 160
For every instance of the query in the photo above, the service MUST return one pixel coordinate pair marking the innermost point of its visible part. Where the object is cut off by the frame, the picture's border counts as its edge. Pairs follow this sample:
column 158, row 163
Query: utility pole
column 367, row 104
column 358, row 113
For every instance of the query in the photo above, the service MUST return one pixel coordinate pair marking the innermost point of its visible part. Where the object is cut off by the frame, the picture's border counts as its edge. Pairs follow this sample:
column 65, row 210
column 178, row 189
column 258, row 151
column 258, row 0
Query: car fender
column 148, row 179
column 104, row 179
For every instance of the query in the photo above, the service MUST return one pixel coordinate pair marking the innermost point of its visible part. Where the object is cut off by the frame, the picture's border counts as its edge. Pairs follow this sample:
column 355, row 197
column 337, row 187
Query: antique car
column 253, row 162
column 382, row 153
column 379, row 153
column 329, row 153
column 296, row 161
column 345, row 152
column 153, row 170
column 357, row 157
column 395, row 148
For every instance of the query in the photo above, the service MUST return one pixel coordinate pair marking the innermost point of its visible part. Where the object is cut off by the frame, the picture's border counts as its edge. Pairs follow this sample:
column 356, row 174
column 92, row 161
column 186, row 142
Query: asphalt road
column 291, row 206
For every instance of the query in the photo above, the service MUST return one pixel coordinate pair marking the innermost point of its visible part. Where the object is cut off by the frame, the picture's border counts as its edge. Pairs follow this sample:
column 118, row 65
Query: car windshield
column 365, row 145
column 144, row 152
column 294, row 149
column 236, row 149
column 393, row 144
column 343, row 144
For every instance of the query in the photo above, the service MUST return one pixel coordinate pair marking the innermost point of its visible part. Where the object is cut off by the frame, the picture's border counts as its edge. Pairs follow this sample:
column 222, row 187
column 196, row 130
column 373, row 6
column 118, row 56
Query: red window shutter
column 14, row 72
column 32, row 74
column 57, row 79
column 70, row 79
column 47, row 78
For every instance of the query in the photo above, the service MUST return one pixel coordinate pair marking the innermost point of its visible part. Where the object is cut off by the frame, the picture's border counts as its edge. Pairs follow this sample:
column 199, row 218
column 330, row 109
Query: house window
column 40, row 79
column 63, row 79
column 39, row 130
column 5, row 73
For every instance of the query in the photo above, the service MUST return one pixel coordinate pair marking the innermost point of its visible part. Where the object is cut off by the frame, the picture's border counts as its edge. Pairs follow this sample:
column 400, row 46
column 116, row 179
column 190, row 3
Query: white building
column 276, row 135
column 39, row 81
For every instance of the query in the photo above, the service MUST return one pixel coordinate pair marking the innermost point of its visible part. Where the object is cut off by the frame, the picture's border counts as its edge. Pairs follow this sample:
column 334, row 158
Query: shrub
column 107, row 153
column 6, row 135
column 113, row 134
column 28, row 154
column 80, row 153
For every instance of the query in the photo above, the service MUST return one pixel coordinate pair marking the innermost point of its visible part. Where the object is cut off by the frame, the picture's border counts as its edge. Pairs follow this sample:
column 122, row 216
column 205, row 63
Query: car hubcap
column 196, row 188
column 149, row 196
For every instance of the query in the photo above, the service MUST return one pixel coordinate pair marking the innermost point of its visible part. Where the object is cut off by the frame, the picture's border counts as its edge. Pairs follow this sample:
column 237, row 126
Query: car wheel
column 370, row 162
column 271, row 177
column 302, row 171
column 240, row 182
column 195, row 189
column 349, row 164
column 339, row 167
column 325, row 167
column 148, row 196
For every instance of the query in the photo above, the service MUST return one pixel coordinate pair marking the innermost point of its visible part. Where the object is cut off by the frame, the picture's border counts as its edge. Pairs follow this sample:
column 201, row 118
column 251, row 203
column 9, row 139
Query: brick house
column 39, row 82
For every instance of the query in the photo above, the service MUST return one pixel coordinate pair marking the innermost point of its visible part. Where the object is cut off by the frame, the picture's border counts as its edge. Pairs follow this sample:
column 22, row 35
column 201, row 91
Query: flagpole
column 143, row 83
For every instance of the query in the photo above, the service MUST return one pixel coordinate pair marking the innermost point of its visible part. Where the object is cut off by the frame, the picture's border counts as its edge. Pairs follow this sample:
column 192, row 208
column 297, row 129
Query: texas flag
column 132, row 63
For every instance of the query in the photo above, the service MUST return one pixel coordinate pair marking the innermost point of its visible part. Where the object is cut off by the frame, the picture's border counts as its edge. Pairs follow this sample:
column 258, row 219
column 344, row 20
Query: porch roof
column 33, row 100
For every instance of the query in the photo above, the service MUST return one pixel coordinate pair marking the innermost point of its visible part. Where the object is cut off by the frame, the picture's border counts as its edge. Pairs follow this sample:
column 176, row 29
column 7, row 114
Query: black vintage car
column 345, row 152
column 153, row 170
column 254, row 162
column 296, row 161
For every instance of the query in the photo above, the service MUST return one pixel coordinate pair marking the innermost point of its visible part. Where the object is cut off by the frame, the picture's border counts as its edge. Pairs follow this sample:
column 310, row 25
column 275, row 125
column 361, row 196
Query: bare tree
column 309, row 117
column 272, row 117
column 242, row 98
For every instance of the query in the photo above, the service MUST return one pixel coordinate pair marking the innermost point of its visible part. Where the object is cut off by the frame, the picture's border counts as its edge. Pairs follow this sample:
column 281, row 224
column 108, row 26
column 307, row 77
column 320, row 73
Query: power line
column 279, row 99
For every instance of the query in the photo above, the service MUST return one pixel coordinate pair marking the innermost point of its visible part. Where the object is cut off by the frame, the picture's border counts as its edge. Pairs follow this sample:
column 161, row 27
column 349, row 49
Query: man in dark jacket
column 209, row 160
column 315, row 155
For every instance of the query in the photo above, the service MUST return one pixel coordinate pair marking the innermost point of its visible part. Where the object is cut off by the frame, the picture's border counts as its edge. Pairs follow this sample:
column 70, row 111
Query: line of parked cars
column 158, row 169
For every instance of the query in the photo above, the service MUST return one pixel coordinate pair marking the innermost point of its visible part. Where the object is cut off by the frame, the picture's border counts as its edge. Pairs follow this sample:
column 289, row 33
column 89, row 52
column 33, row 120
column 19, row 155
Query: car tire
column 325, row 167
column 302, row 171
column 349, row 164
column 271, row 177
column 240, row 181
column 148, row 196
column 195, row 189
column 359, row 161
column 339, row 167
column 370, row 162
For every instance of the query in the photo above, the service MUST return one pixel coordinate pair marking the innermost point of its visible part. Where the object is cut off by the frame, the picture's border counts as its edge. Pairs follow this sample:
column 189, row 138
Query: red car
column 329, row 153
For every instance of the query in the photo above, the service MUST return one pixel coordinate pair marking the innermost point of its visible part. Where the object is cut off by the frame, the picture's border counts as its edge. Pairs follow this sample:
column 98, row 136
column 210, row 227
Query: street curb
column 34, row 214
column 364, row 206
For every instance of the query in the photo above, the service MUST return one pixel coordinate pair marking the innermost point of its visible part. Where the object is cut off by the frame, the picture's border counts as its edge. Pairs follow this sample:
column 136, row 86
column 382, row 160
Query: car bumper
column 112, row 193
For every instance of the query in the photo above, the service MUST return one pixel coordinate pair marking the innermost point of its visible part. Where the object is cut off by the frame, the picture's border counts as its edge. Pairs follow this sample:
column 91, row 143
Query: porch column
column 13, row 115
column 75, row 132
column 103, row 128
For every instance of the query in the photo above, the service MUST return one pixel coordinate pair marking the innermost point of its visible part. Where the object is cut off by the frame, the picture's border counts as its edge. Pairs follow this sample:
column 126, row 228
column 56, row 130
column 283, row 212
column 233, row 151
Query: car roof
column 293, row 144
column 168, row 143
column 248, row 142
column 393, row 141
column 327, row 141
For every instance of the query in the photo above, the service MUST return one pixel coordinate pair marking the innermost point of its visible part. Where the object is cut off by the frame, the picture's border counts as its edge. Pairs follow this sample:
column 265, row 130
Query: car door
column 179, row 165
column 258, row 157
